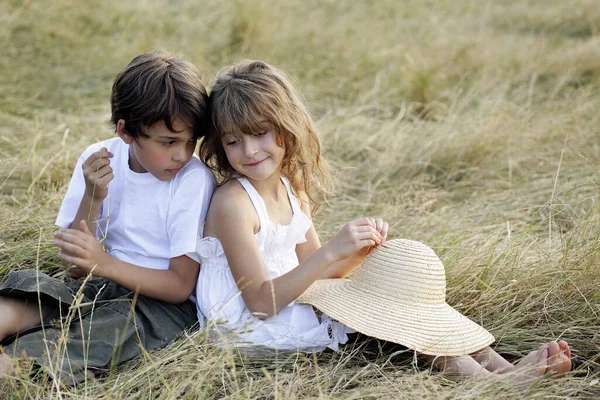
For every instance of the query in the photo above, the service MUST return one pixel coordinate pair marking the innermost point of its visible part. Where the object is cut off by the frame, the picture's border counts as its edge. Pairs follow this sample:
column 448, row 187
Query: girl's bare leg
column 551, row 357
column 531, row 367
column 492, row 361
column 463, row 365
column 559, row 359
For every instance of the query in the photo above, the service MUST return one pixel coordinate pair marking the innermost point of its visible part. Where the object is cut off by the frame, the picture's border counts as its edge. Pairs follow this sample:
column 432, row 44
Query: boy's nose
column 179, row 154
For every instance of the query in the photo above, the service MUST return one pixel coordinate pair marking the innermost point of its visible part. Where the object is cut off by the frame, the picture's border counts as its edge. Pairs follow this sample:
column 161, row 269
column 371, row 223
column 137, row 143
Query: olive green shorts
column 92, row 325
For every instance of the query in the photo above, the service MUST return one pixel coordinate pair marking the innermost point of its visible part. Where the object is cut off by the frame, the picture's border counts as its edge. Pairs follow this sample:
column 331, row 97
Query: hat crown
column 398, row 294
column 404, row 269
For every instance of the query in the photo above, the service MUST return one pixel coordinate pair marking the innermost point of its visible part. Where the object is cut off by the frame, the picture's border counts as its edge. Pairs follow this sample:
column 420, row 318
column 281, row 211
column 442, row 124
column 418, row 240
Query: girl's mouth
column 255, row 164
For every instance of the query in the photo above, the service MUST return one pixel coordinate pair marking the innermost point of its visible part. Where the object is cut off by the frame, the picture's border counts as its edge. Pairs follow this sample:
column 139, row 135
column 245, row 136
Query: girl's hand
column 97, row 173
column 81, row 248
column 357, row 236
column 382, row 228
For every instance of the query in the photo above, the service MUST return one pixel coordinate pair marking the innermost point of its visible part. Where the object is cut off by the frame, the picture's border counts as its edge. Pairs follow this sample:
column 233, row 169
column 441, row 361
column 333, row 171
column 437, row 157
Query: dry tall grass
column 471, row 126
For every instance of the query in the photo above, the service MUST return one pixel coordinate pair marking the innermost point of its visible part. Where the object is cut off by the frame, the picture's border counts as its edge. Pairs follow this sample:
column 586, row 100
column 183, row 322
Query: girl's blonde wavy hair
column 245, row 95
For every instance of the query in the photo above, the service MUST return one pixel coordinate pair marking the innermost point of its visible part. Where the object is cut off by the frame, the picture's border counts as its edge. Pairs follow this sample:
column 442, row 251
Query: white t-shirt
column 146, row 221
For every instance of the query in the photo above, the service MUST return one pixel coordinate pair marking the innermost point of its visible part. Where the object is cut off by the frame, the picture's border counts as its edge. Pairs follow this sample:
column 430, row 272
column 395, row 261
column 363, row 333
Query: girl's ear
column 279, row 140
column 126, row 137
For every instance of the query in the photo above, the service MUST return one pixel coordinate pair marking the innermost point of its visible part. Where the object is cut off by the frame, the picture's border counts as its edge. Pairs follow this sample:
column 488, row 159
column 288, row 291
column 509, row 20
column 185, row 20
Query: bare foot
column 7, row 365
column 564, row 346
column 559, row 359
column 532, row 366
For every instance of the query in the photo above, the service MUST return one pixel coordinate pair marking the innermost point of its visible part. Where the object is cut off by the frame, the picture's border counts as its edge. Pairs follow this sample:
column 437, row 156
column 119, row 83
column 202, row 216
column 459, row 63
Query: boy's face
column 162, row 152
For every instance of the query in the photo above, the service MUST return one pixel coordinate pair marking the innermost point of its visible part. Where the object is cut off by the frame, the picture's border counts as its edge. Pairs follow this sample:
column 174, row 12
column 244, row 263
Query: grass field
column 472, row 126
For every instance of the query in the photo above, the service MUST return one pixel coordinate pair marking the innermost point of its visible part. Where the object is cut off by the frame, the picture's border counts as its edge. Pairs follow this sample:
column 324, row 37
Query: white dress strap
column 293, row 199
column 257, row 202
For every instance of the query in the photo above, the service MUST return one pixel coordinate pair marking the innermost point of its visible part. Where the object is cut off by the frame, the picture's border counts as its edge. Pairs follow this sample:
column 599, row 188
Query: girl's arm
column 174, row 285
column 341, row 268
column 338, row 269
column 233, row 220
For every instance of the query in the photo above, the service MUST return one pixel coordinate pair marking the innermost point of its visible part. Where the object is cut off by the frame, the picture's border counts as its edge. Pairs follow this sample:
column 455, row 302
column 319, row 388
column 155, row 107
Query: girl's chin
column 257, row 176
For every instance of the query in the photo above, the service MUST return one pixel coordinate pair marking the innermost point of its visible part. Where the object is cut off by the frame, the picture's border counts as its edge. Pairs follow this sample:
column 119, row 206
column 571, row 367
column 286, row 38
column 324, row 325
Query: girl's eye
column 230, row 142
column 261, row 133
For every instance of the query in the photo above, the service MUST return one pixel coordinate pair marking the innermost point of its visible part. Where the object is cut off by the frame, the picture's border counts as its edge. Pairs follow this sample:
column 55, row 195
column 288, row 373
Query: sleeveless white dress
column 219, row 301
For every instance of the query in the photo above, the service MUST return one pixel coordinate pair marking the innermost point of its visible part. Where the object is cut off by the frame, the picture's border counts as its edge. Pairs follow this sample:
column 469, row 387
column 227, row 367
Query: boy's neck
column 134, row 164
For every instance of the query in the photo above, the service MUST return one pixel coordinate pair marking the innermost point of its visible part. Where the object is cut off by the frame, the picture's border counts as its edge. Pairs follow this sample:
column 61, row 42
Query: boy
column 146, row 197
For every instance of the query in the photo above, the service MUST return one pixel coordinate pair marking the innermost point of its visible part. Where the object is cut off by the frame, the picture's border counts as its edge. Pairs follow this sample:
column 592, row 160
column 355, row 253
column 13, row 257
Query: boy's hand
column 97, row 173
column 81, row 248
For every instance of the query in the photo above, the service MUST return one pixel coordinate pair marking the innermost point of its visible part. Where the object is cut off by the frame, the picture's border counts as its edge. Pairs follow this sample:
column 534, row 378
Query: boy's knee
column 18, row 314
column 10, row 309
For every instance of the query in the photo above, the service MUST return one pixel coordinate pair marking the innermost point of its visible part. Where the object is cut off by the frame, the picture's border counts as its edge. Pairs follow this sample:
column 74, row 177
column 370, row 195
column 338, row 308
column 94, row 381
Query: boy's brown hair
column 159, row 86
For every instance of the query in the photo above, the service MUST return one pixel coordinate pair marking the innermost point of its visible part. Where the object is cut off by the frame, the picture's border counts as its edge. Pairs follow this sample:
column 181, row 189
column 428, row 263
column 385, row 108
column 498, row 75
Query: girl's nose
column 250, row 148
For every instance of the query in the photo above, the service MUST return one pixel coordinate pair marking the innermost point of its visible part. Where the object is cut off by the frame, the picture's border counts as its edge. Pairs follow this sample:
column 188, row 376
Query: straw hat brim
column 437, row 330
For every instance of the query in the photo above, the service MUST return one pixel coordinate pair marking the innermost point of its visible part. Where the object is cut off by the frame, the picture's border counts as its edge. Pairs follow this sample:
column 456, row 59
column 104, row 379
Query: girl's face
column 258, row 156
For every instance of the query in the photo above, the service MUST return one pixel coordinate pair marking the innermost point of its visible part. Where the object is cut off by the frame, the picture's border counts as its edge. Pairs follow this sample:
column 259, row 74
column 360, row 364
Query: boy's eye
column 169, row 143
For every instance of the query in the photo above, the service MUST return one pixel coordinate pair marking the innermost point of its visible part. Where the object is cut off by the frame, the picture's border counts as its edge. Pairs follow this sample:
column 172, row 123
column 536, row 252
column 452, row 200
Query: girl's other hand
column 357, row 236
column 97, row 173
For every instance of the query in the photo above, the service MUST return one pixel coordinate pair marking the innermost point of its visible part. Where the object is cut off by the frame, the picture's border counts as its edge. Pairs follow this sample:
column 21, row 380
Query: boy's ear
column 126, row 137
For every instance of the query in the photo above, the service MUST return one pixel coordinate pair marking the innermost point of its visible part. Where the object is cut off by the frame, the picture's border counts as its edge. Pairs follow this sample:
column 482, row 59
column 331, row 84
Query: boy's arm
column 174, row 285
column 187, row 213
column 87, row 190
column 88, row 210
column 97, row 173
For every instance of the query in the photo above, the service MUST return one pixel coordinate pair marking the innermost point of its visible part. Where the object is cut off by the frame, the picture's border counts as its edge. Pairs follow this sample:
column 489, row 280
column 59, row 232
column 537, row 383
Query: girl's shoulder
column 230, row 202
column 231, row 210
column 230, row 194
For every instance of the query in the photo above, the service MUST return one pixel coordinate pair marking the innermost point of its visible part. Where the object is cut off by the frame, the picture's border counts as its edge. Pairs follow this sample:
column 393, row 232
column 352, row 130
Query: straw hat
column 398, row 294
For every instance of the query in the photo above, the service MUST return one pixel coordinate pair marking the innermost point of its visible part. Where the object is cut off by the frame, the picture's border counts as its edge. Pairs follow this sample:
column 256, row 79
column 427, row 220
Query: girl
column 260, row 250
